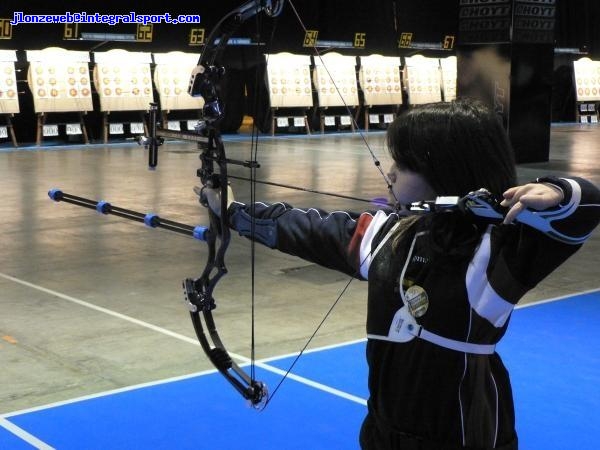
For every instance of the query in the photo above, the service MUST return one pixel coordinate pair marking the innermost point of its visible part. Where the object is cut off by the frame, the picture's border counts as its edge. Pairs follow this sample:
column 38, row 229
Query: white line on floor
column 24, row 435
column 181, row 337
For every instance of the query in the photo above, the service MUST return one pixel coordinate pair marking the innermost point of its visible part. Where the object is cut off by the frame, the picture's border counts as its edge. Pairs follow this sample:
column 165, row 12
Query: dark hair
column 458, row 146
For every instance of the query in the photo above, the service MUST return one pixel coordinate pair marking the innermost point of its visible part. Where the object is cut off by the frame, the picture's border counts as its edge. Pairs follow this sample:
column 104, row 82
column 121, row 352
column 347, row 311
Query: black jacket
column 473, row 273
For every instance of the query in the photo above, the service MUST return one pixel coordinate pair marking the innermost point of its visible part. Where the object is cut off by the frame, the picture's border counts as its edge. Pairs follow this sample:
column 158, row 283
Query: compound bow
column 199, row 292
column 199, row 296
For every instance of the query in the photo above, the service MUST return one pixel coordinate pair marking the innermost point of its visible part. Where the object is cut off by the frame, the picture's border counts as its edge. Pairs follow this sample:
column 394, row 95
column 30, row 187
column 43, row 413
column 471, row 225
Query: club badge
column 416, row 300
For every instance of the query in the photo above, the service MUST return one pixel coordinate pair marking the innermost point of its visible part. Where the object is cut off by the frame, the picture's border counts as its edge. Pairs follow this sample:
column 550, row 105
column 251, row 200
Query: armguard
column 261, row 230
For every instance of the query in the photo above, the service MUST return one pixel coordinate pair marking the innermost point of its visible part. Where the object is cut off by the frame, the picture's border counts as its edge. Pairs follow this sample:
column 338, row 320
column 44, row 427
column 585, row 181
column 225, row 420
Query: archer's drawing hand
column 537, row 196
column 212, row 198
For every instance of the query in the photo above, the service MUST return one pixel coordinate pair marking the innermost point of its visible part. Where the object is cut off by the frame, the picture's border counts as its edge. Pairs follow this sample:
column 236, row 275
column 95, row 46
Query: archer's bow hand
column 211, row 198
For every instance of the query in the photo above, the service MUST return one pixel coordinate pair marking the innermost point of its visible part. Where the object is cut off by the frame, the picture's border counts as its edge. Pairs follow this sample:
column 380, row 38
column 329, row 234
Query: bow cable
column 377, row 164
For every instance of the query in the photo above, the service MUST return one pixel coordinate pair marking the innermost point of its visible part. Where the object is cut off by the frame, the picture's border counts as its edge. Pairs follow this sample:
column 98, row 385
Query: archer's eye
column 392, row 177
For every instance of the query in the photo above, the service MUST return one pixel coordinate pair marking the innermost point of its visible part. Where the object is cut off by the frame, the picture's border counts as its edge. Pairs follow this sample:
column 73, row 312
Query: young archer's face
column 408, row 186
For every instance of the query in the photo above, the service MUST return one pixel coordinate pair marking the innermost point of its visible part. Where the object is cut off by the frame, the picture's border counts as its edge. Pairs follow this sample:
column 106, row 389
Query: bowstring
column 376, row 161
column 253, row 154
column 253, row 184
column 377, row 164
column 320, row 325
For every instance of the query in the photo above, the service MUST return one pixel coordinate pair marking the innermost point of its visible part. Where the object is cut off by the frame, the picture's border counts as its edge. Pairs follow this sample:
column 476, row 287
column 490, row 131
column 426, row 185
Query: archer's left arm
column 330, row 239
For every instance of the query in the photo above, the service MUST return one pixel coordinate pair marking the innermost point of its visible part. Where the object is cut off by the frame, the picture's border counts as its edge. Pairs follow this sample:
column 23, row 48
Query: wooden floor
column 90, row 303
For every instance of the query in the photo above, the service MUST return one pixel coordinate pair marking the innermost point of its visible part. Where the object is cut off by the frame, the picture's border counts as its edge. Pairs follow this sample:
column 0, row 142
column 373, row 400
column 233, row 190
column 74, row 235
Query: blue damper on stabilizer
column 200, row 232
column 103, row 207
column 151, row 220
column 55, row 194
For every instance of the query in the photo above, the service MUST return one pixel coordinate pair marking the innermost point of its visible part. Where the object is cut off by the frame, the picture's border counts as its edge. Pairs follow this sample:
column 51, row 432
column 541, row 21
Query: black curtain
column 577, row 25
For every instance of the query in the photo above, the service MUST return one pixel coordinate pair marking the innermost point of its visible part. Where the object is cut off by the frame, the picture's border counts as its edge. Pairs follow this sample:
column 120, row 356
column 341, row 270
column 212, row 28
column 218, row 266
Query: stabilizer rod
column 149, row 219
